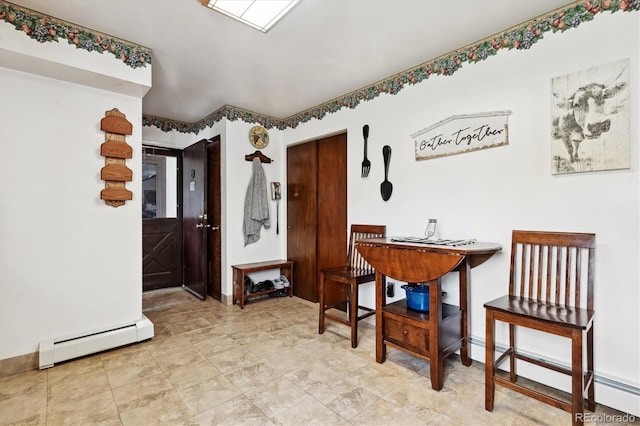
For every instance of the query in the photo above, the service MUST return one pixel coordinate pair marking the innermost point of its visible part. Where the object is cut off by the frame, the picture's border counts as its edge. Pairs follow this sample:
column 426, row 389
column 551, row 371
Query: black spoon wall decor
column 386, row 187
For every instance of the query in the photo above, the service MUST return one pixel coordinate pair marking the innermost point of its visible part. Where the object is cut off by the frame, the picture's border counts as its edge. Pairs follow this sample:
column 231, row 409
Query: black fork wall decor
column 366, row 164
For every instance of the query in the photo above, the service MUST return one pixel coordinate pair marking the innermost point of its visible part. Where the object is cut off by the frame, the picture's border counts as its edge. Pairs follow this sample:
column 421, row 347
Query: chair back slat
column 567, row 289
column 578, row 279
column 362, row 232
column 523, row 272
column 531, row 272
column 558, row 276
column 548, row 276
column 542, row 259
column 552, row 267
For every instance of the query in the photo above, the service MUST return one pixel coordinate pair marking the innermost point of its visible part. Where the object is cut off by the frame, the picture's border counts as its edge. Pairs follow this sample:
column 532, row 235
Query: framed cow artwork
column 590, row 119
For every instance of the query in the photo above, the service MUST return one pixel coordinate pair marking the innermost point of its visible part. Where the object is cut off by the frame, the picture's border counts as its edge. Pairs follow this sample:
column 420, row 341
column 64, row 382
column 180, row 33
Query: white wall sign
column 462, row 133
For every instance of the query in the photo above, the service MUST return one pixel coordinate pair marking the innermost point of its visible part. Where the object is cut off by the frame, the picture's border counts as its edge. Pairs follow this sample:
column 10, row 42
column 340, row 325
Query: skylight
column 259, row 14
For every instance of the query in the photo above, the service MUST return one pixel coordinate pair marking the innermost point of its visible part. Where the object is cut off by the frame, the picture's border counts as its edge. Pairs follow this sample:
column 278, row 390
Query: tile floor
column 211, row 364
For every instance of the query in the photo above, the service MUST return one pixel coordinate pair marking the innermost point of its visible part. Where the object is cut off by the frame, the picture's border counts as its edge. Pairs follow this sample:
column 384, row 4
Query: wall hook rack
column 263, row 158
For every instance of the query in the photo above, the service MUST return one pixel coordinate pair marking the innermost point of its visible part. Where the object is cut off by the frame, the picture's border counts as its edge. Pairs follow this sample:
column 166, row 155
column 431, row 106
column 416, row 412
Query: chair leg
column 591, row 397
column 353, row 313
column 513, row 376
column 577, row 378
column 489, row 384
column 321, row 303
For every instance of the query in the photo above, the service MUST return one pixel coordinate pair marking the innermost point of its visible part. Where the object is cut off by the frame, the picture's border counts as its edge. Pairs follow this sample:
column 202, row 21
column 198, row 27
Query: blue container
column 417, row 297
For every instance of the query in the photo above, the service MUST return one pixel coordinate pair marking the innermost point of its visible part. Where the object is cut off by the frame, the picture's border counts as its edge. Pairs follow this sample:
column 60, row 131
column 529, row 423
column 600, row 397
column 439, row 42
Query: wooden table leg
column 381, row 349
column 321, row 303
column 436, row 357
column 465, row 270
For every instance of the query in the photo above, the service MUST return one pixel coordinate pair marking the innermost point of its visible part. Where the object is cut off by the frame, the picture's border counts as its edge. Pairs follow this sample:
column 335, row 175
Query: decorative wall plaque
column 115, row 152
column 462, row 133
column 590, row 119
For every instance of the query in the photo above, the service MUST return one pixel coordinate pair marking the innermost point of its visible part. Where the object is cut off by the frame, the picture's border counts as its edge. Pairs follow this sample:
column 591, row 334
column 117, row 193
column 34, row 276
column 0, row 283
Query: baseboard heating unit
column 58, row 350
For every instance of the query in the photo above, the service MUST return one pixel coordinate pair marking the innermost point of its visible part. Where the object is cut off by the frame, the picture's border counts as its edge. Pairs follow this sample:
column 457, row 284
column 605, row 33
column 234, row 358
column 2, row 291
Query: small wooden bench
column 239, row 272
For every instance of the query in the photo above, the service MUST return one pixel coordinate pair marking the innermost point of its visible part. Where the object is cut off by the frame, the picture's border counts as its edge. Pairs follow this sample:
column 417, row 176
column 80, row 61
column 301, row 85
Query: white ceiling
column 321, row 50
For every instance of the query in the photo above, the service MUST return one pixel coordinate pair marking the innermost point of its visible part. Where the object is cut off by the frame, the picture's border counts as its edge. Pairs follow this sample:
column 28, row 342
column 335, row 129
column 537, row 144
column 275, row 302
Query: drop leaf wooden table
column 432, row 335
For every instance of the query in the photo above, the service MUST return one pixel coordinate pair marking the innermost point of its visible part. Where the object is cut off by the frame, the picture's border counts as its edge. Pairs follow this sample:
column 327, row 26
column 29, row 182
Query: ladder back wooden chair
column 550, row 290
column 349, row 276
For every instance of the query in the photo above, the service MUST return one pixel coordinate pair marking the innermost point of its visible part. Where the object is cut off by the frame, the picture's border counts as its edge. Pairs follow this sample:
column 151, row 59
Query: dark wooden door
column 301, row 217
column 316, row 210
column 332, row 233
column 194, row 218
column 161, row 253
column 214, row 208
column 332, row 202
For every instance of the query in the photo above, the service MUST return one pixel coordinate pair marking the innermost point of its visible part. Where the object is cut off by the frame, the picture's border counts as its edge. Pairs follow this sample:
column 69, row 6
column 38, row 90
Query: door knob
column 203, row 216
column 202, row 225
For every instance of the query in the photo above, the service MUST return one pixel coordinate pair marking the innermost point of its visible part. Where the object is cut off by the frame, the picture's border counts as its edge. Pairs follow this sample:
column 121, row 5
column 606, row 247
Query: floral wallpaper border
column 229, row 112
column 44, row 29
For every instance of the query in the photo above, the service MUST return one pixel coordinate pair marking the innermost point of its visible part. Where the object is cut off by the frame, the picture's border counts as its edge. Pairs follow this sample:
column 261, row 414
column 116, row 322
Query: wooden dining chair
column 349, row 277
column 550, row 290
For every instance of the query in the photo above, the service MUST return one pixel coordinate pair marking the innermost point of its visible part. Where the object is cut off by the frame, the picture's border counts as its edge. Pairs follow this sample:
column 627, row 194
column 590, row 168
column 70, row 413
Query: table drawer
column 405, row 334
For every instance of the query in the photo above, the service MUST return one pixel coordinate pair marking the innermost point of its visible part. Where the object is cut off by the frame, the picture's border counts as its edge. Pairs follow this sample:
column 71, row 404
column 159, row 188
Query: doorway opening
column 161, row 218
column 181, row 207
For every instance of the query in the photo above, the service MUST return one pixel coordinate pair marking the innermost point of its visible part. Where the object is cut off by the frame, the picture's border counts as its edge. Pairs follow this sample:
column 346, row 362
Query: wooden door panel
column 332, row 209
column 332, row 202
column 214, row 209
column 316, row 210
column 301, row 217
column 161, row 253
column 194, row 229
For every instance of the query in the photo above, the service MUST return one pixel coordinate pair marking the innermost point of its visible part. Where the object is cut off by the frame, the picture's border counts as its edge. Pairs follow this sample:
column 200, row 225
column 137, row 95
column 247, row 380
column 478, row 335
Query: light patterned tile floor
column 211, row 364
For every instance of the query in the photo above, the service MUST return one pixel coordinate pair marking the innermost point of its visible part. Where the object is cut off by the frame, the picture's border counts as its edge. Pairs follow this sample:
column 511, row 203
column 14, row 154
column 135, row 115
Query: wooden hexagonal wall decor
column 115, row 151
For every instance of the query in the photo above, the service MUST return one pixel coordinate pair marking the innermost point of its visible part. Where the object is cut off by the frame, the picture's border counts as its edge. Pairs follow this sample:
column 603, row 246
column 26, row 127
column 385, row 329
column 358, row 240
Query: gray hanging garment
column 256, row 207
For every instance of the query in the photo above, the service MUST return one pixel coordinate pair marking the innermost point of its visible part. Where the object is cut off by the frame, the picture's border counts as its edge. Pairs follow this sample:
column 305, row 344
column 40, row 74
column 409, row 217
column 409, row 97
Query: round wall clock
column 259, row 137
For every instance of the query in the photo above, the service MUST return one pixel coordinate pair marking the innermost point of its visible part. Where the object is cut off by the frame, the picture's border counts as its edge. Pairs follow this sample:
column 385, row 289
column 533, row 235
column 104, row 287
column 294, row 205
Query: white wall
column 270, row 246
column 486, row 194
column 483, row 194
column 69, row 264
